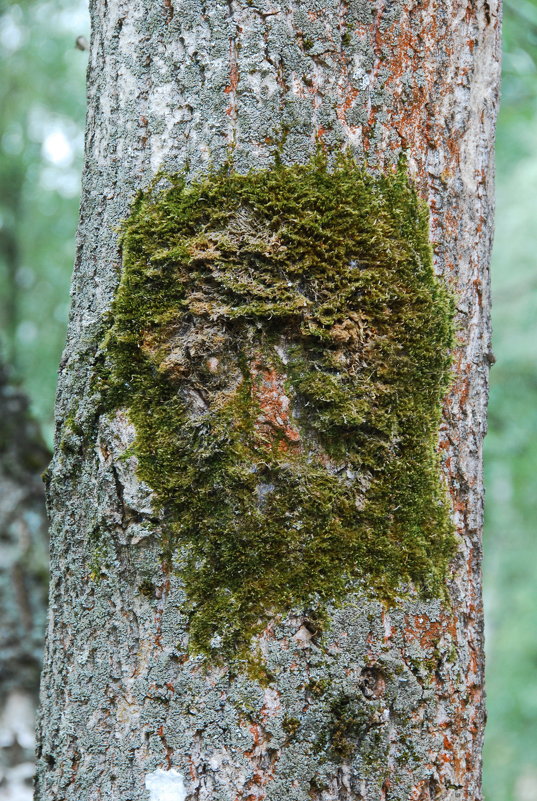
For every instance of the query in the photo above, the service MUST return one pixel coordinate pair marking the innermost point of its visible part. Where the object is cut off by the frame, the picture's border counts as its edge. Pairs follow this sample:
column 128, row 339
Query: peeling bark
column 179, row 86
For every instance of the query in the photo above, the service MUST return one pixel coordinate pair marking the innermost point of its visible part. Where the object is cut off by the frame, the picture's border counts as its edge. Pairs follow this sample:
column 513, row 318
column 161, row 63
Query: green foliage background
column 41, row 131
column 42, row 106
column 510, row 567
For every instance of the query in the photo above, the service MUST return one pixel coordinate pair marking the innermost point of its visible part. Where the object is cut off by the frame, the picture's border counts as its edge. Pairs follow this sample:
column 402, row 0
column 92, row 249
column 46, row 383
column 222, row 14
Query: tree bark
column 178, row 86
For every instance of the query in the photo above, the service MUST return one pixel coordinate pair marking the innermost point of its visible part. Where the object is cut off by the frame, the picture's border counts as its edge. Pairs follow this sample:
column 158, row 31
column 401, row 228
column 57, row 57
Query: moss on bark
column 282, row 345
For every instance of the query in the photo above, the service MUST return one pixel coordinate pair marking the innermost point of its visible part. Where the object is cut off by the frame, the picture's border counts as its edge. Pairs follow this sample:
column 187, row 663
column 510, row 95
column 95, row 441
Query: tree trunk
column 388, row 702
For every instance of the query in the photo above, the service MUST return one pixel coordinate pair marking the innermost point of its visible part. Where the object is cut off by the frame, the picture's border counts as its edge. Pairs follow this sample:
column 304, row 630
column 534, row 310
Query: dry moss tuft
column 283, row 346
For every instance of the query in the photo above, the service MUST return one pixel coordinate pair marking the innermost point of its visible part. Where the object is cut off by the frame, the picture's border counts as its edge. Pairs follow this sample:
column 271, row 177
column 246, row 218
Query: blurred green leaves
column 519, row 84
column 42, row 103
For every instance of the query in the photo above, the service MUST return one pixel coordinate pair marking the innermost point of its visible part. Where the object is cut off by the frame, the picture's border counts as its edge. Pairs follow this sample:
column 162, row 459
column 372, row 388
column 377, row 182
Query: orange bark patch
column 429, row 632
column 273, row 424
column 233, row 80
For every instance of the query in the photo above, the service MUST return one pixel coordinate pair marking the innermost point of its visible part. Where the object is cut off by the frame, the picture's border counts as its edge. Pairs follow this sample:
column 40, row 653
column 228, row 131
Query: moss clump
column 349, row 722
column 290, row 726
column 282, row 345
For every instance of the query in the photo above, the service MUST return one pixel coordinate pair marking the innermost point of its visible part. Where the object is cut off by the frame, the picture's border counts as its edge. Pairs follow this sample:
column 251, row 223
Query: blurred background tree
column 42, row 103
column 23, row 588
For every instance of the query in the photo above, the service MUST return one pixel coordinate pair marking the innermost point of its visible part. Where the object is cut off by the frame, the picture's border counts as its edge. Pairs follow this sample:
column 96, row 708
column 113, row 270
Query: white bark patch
column 165, row 785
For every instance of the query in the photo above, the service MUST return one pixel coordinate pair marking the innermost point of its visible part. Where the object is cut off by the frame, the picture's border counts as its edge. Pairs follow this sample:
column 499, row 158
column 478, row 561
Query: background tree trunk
column 23, row 587
column 176, row 85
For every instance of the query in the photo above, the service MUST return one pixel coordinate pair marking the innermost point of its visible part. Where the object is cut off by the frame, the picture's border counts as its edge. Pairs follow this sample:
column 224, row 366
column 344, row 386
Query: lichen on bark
column 282, row 344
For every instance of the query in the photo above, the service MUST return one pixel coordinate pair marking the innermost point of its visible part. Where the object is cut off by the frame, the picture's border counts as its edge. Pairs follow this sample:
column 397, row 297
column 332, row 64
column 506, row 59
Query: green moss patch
column 348, row 724
column 283, row 346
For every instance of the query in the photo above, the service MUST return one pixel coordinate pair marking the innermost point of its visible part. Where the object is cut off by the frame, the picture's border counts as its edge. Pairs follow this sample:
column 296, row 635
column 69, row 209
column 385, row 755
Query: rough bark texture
column 175, row 85
column 23, row 587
